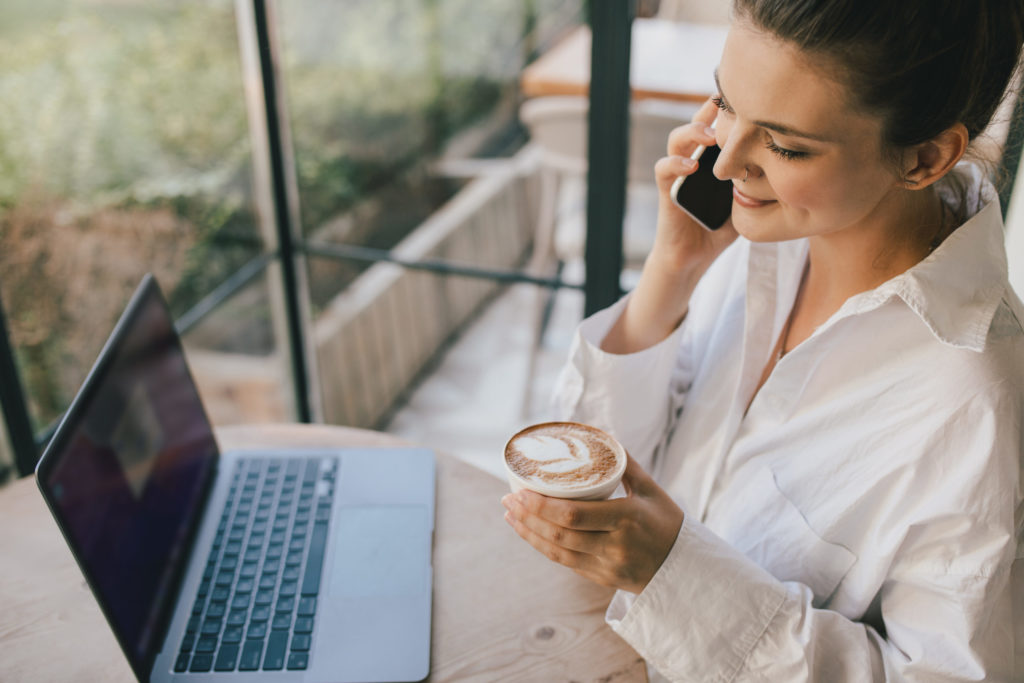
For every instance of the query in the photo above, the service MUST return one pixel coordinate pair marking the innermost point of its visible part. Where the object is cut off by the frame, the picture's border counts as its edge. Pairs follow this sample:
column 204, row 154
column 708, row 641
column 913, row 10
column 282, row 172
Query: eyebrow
column 777, row 127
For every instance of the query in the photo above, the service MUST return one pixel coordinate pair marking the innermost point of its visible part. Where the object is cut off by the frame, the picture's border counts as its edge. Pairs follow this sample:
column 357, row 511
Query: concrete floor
column 474, row 401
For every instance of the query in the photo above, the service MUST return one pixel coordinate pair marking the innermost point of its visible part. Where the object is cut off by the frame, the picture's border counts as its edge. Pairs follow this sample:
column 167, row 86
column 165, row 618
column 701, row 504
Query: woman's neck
column 855, row 260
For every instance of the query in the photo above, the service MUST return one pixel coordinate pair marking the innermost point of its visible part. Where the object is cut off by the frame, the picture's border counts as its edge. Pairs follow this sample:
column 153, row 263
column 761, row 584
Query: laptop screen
column 127, row 469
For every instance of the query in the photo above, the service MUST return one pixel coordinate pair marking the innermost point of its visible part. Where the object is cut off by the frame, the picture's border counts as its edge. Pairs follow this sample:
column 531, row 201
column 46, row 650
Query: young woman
column 824, row 413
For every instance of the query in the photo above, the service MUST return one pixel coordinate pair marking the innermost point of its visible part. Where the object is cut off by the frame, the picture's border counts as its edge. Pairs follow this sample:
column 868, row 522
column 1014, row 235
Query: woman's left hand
column 619, row 543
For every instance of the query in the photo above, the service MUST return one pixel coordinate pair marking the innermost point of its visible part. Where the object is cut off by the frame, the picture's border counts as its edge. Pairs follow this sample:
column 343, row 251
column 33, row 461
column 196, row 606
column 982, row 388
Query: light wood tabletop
column 669, row 60
column 501, row 611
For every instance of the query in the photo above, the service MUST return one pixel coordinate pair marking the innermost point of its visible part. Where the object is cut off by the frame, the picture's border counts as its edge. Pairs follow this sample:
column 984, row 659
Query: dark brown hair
column 923, row 65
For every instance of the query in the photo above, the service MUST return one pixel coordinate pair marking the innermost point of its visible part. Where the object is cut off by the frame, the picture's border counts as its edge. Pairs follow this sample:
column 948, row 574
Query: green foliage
column 124, row 122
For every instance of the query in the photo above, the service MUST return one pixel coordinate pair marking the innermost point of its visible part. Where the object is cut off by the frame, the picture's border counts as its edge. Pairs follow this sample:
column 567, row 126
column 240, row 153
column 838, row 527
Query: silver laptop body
column 266, row 565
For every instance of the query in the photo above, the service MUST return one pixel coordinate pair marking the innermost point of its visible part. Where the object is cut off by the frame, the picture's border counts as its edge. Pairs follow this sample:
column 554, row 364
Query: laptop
column 266, row 565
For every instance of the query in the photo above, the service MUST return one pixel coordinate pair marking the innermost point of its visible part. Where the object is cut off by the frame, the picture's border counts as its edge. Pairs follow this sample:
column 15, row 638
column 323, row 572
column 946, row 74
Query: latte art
column 568, row 456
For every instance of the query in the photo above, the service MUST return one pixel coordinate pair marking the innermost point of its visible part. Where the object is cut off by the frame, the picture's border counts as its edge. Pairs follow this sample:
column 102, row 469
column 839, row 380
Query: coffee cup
column 565, row 460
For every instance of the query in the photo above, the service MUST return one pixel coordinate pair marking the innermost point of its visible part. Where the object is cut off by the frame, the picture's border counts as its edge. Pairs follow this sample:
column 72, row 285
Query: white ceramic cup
column 595, row 491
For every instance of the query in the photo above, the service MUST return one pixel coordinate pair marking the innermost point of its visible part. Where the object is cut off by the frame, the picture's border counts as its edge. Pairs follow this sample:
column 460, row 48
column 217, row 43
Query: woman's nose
column 733, row 162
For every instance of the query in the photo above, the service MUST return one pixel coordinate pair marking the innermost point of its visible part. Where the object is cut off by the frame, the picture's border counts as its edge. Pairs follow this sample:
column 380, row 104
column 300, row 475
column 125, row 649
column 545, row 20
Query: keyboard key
column 288, row 588
column 264, row 597
column 261, row 613
column 312, row 470
column 317, row 545
column 181, row 664
column 211, row 627
column 232, row 634
column 273, row 659
column 216, row 609
column 206, row 644
column 226, row 658
column 303, row 625
column 307, row 606
column 282, row 621
column 257, row 629
column 187, row 642
column 251, row 653
column 236, row 617
column 300, row 642
column 220, row 594
column 201, row 663
column 285, row 604
column 298, row 661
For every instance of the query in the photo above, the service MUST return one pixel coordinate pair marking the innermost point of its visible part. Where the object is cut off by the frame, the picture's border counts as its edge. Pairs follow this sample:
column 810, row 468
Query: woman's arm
column 682, row 251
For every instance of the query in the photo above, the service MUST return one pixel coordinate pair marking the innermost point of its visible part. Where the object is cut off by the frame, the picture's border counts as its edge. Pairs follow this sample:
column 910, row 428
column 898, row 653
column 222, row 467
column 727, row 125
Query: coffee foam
column 568, row 456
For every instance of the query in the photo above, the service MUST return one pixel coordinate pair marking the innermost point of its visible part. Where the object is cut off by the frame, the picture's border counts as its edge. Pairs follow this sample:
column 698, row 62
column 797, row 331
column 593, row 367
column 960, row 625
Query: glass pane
column 236, row 358
column 124, row 148
column 406, row 136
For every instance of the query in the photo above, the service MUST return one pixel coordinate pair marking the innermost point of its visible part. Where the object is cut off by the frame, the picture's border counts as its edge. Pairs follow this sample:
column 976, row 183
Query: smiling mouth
column 749, row 202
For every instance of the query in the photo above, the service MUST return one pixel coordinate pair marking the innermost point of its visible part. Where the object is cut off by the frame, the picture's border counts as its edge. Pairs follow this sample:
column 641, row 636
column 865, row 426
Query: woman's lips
column 749, row 202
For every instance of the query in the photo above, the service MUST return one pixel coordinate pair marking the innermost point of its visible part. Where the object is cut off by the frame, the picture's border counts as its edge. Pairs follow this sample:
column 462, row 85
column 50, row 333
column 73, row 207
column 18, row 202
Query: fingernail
column 508, row 518
column 708, row 130
column 687, row 162
column 506, row 500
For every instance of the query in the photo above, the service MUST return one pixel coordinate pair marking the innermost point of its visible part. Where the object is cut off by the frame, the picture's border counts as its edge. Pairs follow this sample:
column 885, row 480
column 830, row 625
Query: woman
column 830, row 405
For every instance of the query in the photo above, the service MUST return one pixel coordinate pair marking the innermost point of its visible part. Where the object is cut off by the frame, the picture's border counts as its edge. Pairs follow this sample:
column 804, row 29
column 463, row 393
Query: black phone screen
column 706, row 198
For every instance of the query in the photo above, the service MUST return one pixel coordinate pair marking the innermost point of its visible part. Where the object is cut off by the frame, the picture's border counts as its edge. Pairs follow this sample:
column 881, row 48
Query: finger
column 590, row 542
column 563, row 556
column 636, row 480
column 667, row 169
column 582, row 515
column 683, row 141
column 707, row 112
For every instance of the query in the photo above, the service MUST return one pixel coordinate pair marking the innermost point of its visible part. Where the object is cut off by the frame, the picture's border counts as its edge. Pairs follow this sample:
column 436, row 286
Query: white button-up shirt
column 860, row 521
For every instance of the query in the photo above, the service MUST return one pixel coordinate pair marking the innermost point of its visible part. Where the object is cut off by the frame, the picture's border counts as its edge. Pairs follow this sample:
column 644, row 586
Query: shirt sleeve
column 710, row 614
column 632, row 396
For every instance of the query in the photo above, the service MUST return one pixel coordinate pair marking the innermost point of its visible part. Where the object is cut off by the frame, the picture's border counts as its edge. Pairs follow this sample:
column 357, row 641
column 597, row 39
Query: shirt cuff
column 703, row 611
column 625, row 394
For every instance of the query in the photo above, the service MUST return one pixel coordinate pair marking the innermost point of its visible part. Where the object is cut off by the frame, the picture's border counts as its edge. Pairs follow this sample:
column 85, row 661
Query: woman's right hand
column 682, row 244
column 683, row 249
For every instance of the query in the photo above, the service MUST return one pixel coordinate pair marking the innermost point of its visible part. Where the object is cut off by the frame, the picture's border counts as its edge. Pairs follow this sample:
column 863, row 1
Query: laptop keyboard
column 256, row 605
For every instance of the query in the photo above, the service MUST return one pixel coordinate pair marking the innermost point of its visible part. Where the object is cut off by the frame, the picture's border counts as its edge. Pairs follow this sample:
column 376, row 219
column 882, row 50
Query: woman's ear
column 929, row 161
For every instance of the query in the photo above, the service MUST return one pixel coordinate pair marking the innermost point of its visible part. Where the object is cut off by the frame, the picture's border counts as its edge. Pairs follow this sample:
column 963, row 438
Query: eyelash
column 782, row 152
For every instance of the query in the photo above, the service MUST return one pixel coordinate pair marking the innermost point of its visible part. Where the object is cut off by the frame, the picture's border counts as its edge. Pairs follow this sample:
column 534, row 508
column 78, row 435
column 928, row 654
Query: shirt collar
column 957, row 288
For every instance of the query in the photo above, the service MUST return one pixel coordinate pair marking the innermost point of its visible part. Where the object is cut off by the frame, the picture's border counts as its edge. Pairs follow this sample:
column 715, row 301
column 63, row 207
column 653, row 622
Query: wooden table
column 501, row 610
column 668, row 60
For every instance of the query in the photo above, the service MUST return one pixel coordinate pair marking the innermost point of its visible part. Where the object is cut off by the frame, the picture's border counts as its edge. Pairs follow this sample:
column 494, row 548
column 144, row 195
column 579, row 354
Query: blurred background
column 194, row 139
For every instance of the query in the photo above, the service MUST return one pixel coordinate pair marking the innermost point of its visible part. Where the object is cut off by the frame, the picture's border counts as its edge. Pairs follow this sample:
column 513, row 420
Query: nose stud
column 746, row 174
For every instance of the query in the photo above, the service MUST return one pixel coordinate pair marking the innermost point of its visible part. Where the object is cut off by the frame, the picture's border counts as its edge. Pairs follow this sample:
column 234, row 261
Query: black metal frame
column 1010, row 162
column 608, row 149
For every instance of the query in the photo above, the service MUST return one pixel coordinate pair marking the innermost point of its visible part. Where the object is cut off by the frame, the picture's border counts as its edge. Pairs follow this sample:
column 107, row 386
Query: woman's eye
column 720, row 103
column 783, row 152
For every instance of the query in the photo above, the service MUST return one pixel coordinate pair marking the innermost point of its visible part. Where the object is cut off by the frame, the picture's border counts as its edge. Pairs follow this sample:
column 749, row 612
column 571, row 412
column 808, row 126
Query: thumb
column 636, row 480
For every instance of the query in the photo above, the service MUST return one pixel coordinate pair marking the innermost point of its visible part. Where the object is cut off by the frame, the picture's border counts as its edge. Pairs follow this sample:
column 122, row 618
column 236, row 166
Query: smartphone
column 707, row 199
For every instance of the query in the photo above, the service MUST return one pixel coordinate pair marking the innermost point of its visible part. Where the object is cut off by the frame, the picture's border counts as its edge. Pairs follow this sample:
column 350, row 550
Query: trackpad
column 381, row 550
